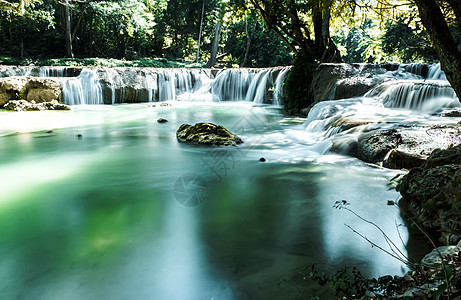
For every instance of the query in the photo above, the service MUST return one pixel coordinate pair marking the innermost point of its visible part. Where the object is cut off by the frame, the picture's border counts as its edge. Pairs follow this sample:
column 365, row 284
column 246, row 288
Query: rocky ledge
column 432, row 194
column 207, row 134
column 23, row 105
column 398, row 148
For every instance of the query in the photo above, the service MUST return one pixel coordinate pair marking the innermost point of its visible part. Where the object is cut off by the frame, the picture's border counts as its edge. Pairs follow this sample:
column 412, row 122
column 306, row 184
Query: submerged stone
column 207, row 134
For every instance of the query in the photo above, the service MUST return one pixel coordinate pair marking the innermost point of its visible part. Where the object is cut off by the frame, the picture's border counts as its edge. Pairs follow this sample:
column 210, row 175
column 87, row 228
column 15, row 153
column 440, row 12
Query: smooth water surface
column 112, row 214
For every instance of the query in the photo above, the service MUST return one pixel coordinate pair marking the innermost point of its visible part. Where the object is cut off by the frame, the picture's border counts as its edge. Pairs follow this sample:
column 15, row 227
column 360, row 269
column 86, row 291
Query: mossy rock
column 207, row 134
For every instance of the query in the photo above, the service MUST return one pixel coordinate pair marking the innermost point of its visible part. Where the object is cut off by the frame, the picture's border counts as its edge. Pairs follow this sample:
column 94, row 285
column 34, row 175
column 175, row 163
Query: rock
column 346, row 123
column 434, row 258
column 405, row 147
column 396, row 159
column 355, row 86
column 38, row 89
column 12, row 88
column 165, row 104
column 452, row 114
column 44, row 89
column 432, row 194
column 24, row 105
column 262, row 159
column 161, row 120
column 305, row 111
column 128, row 85
column 206, row 134
column 374, row 148
column 353, row 80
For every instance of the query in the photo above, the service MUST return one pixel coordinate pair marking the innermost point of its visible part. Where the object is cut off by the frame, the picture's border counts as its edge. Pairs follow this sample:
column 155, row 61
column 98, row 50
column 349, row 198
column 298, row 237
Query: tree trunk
column 249, row 39
column 69, row 52
column 449, row 55
column 214, row 45
column 200, row 32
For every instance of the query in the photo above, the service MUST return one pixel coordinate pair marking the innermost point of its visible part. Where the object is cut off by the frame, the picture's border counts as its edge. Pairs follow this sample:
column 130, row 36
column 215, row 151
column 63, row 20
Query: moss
column 206, row 134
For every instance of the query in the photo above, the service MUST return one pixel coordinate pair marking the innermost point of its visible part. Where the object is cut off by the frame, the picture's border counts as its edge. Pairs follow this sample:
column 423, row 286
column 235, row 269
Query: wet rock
column 161, row 120
column 347, row 123
column 24, row 105
column 452, row 114
column 128, row 85
column 396, row 159
column 262, row 159
column 340, row 81
column 206, row 134
column 432, row 194
column 165, row 104
column 405, row 147
column 374, row 148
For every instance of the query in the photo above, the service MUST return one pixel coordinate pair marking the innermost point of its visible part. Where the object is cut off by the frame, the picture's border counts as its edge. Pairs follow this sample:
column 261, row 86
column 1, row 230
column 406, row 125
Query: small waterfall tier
column 84, row 89
column 427, row 95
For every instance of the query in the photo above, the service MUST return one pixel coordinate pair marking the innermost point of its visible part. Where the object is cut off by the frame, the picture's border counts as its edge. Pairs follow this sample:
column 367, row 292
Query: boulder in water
column 374, row 148
column 206, row 134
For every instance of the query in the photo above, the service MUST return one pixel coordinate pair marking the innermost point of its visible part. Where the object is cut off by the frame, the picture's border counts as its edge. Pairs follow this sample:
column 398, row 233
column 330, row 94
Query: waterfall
column 84, row 89
column 417, row 95
column 436, row 73
column 231, row 85
column 257, row 88
column 278, row 93
column 52, row 72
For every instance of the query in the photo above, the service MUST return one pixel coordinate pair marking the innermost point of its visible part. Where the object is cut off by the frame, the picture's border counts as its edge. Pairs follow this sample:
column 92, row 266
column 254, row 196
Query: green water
column 100, row 216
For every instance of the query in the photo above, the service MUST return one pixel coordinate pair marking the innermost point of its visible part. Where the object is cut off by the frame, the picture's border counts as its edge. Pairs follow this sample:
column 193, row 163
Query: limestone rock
column 340, row 81
column 44, row 89
column 206, row 134
column 128, row 85
column 24, row 105
column 12, row 88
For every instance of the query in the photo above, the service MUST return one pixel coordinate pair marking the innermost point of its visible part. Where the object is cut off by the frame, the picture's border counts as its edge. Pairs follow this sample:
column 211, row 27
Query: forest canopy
column 252, row 33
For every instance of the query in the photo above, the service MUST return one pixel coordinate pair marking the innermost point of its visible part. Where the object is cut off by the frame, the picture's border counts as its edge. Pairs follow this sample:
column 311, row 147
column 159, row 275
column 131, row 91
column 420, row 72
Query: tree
column 436, row 25
column 289, row 19
column 305, row 27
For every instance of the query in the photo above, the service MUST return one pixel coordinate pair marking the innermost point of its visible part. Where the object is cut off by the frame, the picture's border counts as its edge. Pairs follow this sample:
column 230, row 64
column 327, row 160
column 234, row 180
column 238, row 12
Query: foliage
column 406, row 43
column 105, row 62
column 266, row 48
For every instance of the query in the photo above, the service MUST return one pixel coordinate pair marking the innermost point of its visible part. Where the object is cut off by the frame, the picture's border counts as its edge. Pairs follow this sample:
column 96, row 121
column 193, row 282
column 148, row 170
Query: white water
column 84, row 89
column 408, row 100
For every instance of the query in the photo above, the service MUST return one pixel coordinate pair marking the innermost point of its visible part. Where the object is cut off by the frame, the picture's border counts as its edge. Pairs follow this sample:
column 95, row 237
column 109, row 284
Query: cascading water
column 436, row 73
column 394, row 103
column 84, row 89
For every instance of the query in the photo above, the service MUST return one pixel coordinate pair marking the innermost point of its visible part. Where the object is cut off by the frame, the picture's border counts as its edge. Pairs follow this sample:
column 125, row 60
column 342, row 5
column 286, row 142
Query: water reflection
column 95, row 218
